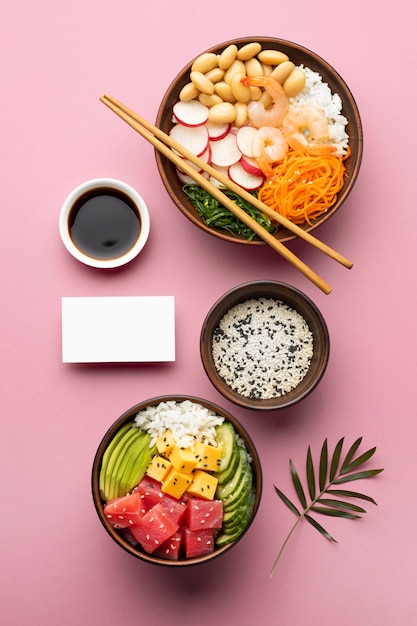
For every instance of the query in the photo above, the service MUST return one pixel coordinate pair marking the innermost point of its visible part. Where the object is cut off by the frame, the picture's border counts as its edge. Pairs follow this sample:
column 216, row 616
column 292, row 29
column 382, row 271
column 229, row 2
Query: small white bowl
column 126, row 236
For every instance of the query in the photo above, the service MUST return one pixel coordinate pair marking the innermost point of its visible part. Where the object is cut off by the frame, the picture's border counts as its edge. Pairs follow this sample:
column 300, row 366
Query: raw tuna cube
column 204, row 514
column 150, row 491
column 154, row 528
column 170, row 549
column 176, row 509
column 197, row 542
column 124, row 511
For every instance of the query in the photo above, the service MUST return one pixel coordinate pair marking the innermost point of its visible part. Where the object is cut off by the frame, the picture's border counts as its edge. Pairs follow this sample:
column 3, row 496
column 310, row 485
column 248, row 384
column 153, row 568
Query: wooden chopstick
column 150, row 132
column 294, row 228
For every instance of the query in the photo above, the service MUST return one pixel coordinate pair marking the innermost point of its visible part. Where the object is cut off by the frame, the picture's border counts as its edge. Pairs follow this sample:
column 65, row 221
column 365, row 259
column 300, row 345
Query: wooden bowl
column 129, row 416
column 295, row 300
column 299, row 55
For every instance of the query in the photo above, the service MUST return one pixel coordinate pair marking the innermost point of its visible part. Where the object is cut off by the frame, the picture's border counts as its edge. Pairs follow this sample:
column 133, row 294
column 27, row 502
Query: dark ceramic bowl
column 296, row 301
column 298, row 55
column 128, row 416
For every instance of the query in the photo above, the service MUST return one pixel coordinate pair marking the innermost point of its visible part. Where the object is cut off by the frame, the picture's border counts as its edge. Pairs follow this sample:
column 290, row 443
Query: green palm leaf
column 357, row 462
column 335, row 459
column 286, row 501
column 345, row 493
column 347, row 478
column 311, row 479
column 351, row 452
column 297, row 485
column 324, row 460
column 341, row 504
column 320, row 528
column 333, row 512
column 326, row 501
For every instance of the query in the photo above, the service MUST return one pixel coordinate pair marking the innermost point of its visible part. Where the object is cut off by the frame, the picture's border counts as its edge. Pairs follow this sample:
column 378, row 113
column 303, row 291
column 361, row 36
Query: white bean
column 215, row 75
column 227, row 57
column 295, row 83
column 272, row 57
column 222, row 113
column 211, row 100
column 248, row 51
column 188, row 92
column 234, row 68
column 205, row 62
column 282, row 71
column 254, row 67
column 202, row 83
column 224, row 91
column 241, row 114
column 240, row 91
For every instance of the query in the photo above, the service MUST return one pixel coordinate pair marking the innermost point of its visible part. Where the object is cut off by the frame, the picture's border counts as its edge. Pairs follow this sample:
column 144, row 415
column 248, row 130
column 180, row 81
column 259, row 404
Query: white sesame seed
column 262, row 348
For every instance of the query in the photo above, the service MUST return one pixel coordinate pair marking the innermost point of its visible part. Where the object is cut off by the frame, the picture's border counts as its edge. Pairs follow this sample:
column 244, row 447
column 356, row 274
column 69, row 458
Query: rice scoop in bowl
column 264, row 345
column 257, row 109
column 176, row 481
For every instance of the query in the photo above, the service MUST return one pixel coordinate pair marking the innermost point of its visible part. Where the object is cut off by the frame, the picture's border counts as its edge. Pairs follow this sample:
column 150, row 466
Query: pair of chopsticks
column 169, row 148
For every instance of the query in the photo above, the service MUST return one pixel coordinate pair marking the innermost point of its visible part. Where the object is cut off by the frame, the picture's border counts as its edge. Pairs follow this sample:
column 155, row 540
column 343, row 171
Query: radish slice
column 205, row 157
column 244, row 137
column 217, row 131
column 191, row 113
column 187, row 180
column 251, row 166
column 194, row 138
column 184, row 178
column 224, row 152
column 221, row 170
column 242, row 178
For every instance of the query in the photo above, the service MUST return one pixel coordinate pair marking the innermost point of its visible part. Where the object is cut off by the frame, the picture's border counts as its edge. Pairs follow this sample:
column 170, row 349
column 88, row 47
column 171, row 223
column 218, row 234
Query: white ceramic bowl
column 136, row 230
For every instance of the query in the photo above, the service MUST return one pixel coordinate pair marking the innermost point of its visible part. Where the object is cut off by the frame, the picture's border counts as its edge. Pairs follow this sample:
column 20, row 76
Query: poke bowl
column 220, row 98
column 176, row 481
column 264, row 345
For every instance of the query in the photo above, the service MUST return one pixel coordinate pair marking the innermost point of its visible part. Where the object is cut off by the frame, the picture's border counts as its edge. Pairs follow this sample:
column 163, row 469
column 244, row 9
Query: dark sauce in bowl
column 104, row 223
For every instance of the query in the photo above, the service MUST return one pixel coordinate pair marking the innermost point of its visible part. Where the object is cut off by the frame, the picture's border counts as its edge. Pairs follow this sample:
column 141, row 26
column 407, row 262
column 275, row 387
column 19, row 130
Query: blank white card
column 118, row 329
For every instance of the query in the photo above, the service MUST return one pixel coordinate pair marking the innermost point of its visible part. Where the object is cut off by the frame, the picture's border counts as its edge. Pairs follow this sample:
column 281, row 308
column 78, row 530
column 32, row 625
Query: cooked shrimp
column 306, row 129
column 268, row 146
column 257, row 113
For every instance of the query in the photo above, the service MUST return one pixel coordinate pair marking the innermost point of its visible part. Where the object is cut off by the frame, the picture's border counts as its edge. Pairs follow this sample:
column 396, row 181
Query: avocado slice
column 108, row 452
column 115, row 461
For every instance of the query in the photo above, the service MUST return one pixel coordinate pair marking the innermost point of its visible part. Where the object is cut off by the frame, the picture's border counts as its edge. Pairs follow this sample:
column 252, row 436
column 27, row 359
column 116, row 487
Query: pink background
column 58, row 566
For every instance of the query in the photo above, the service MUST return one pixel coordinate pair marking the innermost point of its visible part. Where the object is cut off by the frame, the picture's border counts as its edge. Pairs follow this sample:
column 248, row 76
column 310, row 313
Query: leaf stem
column 284, row 544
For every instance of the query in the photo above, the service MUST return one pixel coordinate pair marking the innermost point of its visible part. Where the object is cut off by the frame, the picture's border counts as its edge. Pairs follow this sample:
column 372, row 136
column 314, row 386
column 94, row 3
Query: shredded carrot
column 303, row 186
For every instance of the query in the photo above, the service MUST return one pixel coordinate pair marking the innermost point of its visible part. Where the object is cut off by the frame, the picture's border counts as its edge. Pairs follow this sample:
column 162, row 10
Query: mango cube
column 203, row 485
column 165, row 443
column 183, row 459
column 208, row 457
column 175, row 483
column 158, row 468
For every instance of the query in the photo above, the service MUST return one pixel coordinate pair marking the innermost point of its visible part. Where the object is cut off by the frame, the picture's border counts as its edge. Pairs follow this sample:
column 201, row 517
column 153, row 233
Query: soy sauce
column 104, row 223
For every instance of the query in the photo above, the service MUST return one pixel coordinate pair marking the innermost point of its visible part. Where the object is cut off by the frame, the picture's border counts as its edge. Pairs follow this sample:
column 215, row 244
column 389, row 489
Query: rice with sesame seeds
column 262, row 348
column 188, row 421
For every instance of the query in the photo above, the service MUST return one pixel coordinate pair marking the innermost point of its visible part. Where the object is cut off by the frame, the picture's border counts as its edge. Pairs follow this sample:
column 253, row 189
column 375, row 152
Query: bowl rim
column 356, row 132
column 129, row 414
column 118, row 185
column 294, row 298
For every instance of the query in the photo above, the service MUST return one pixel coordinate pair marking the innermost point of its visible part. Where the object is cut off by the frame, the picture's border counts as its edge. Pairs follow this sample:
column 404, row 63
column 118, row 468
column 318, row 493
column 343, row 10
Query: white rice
column 188, row 421
column 318, row 93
